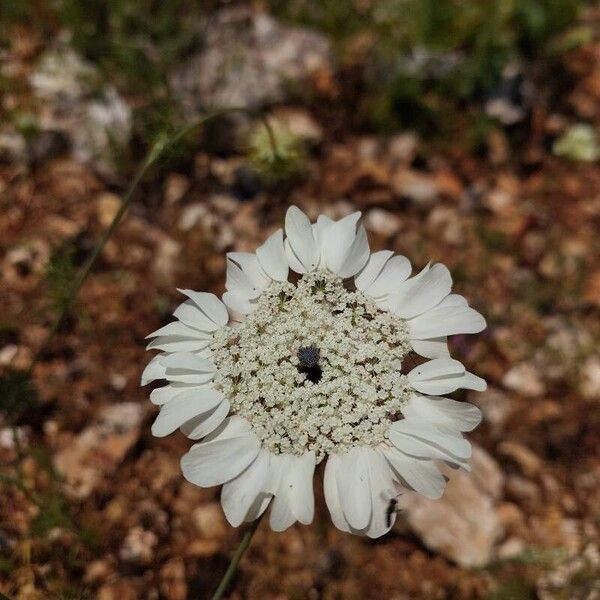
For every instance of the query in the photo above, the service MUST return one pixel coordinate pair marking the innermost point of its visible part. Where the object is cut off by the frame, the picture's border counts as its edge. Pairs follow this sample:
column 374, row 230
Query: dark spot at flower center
column 308, row 359
column 309, row 356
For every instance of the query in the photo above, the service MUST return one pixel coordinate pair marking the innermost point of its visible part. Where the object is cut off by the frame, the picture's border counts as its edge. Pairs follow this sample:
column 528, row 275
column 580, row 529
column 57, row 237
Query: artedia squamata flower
column 303, row 361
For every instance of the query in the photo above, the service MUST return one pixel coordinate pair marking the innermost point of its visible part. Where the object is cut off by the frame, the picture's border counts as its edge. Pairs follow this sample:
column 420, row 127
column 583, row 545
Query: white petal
column 332, row 496
column 154, row 370
column 420, row 448
column 449, row 320
column 301, row 247
column 293, row 260
column 234, row 426
column 404, row 286
column 393, row 273
column 420, row 474
column 437, row 376
column 190, row 313
column 186, row 361
column 238, row 304
column 382, row 490
column 319, row 230
column 239, row 282
column 250, row 265
column 437, row 435
column 372, row 269
column 205, row 423
column 357, row 255
column 442, row 376
column 239, row 494
column 258, row 507
column 210, row 305
column 353, row 487
column 223, row 455
column 282, row 516
column 461, row 416
column 272, row 257
column 299, row 484
column 185, row 367
column 177, row 328
column 277, row 462
column 433, row 348
column 182, row 408
column 235, row 318
column 437, row 368
column 337, row 239
column 167, row 392
column 472, row 382
column 192, row 377
column 427, row 292
column 453, row 300
column 294, row 499
column 176, row 343
column 345, row 249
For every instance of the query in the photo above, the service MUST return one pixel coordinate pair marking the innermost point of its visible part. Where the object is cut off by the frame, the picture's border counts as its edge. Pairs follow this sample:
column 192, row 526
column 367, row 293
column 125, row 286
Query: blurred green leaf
column 428, row 54
column 277, row 154
column 52, row 513
column 60, row 275
column 513, row 590
column 17, row 395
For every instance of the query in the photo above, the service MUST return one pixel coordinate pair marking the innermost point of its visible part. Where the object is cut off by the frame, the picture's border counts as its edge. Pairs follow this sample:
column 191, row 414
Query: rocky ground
column 92, row 506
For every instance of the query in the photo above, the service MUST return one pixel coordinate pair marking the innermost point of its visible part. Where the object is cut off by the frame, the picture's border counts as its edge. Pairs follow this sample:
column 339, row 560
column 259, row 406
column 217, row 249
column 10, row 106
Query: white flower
column 280, row 376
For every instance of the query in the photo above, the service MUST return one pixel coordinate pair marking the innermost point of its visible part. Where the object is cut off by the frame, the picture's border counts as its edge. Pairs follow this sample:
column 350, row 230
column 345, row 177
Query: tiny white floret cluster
column 294, row 368
column 358, row 388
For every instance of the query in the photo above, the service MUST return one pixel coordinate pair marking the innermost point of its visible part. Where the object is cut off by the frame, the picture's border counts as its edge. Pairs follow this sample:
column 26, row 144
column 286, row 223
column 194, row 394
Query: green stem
column 271, row 134
column 235, row 559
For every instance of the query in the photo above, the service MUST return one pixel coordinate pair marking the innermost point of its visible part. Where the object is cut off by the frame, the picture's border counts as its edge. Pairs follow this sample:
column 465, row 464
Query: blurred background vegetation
column 408, row 63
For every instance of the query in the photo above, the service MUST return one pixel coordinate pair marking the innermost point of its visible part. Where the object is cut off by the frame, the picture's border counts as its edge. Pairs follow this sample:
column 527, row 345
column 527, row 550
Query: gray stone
column 138, row 546
column 417, row 186
column 13, row 145
column 382, row 222
column 76, row 102
column 248, row 59
column 525, row 379
column 589, row 378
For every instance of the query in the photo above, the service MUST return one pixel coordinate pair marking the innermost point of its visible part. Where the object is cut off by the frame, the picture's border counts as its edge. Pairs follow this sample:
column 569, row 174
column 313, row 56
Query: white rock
column 403, row 147
column 13, row 146
column 511, row 548
column 165, row 259
column 416, row 186
column 7, row 353
column 138, row 546
column 300, row 123
column 99, row 448
column 248, row 59
column 75, row 101
column 382, row 222
column 589, row 378
column 525, row 379
column 209, row 521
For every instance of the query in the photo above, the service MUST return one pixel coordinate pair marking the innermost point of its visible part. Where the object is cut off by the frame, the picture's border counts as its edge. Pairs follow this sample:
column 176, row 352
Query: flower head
column 286, row 372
